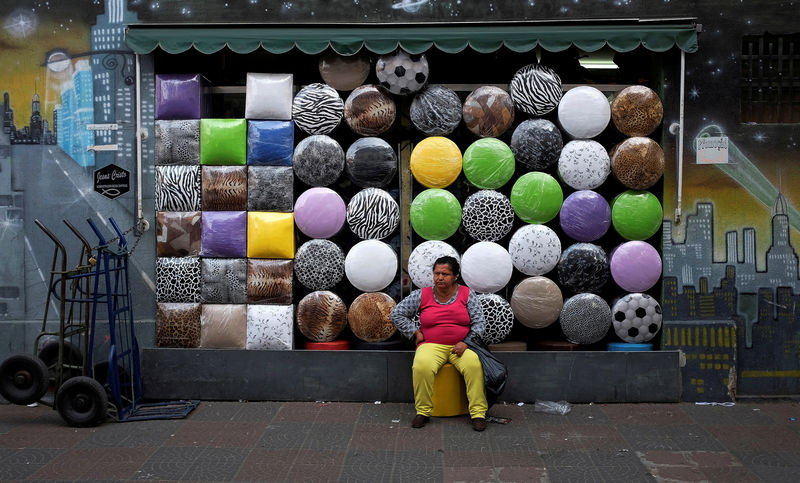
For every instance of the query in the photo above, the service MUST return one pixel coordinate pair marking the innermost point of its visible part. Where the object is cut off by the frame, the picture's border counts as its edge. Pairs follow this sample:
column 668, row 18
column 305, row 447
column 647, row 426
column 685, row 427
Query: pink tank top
column 444, row 324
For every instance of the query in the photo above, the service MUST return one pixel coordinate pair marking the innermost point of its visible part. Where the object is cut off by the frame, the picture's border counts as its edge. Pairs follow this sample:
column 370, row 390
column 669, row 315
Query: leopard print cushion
column 269, row 281
column 224, row 188
column 224, row 280
column 178, row 325
column 368, row 317
column 178, row 280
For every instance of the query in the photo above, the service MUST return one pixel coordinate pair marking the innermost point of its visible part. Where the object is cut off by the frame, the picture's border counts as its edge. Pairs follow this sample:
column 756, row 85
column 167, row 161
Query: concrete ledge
column 578, row 377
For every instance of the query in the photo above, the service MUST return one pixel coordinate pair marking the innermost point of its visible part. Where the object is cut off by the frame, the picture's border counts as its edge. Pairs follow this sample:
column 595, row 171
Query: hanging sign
column 112, row 181
column 712, row 150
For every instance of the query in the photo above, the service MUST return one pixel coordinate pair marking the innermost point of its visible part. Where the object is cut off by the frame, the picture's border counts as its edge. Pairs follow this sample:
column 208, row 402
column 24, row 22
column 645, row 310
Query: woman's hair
column 450, row 261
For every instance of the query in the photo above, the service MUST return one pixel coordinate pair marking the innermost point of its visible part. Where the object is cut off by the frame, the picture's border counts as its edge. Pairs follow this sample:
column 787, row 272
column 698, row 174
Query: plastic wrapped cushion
column 499, row 317
column 370, row 163
column 223, row 141
column 635, row 266
column 636, row 111
column 178, row 142
column 269, row 281
column 223, row 326
column 270, row 235
column 536, row 197
column 435, row 214
column 488, row 163
column 584, row 164
column 369, row 110
column 178, row 233
column 321, row 316
column 368, row 317
column 422, row 258
column 637, row 318
column 584, row 112
column 585, row 318
column 224, row 280
column 270, row 327
column 270, row 188
column 344, row 72
column 537, row 144
column 224, row 188
column 179, row 96
column 372, row 213
column 318, row 160
column 638, row 162
column 317, row 109
column 224, row 234
column 488, row 111
column 319, row 212
column 536, row 302
column 585, row 216
column 436, row 110
column 486, row 267
column 270, row 143
column 178, row 280
column 487, row 215
column 636, row 215
column 436, row 162
column 319, row 264
column 177, row 188
column 268, row 96
column 370, row 265
column 583, row 268
column 535, row 89
column 534, row 249
column 178, row 325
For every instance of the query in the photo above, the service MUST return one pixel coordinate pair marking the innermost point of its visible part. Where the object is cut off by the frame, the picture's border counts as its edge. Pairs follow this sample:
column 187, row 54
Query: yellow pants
column 429, row 358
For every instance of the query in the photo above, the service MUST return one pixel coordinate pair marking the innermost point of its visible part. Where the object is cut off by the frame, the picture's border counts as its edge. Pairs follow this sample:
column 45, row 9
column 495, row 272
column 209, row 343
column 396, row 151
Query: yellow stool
column 449, row 392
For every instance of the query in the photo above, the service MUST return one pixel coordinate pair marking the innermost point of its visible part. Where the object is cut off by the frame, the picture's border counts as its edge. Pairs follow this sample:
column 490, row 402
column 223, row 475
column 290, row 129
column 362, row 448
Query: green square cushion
column 223, row 141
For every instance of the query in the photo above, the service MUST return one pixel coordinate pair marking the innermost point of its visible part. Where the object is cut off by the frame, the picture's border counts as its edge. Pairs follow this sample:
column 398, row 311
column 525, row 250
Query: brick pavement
column 306, row 441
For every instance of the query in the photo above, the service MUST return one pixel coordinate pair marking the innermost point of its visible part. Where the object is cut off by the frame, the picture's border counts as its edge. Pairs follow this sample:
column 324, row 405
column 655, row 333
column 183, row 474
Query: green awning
column 382, row 39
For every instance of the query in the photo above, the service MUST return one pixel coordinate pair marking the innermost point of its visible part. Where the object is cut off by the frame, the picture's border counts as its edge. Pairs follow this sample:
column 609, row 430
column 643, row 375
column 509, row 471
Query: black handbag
column 495, row 371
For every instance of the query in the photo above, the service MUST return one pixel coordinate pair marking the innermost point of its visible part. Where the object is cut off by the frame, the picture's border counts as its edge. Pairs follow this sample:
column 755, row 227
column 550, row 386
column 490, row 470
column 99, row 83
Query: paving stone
column 329, row 435
column 668, row 437
column 283, row 435
column 418, row 465
column 741, row 414
column 429, row 437
column 257, row 411
column 771, row 437
column 339, row 413
column 374, row 436
column 651, row 414
column 266, row 465
column 585, row 436
column 368, row 465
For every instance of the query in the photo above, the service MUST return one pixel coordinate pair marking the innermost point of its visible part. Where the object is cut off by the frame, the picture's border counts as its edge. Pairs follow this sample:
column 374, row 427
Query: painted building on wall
column 729, row 238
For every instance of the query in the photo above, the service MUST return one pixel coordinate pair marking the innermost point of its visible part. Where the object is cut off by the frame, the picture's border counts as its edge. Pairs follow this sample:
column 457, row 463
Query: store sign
column 712, row 150
column 112, row 181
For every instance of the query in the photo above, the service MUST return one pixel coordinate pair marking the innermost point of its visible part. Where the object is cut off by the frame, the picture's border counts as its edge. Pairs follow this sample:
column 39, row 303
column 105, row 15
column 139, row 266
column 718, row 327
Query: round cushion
column 321, row 316
column 534, row 249
column 370, row 265
column 537, row 144
column 317, row 109
column 335, row 345
column 635, row 266
column 369, row 110
column 319, row 264
column 487, row 215
column 401, row 72
column 319, row 212
column 637, row 162
column 636, row 215
column 373, row 213
column 583, row 268
column 584, row 112
column 486, row 267
column 369, row 317
column 488, row 111
column 536, row 302
column 628, row 347
column 344, row 72
column 585, row 318
column 585, row 216
column 498, row 316
column 421, row 259
column 636, row 111
column 536, row 89
column 435, row 214
column 318, row 160
column 436, row 162
column 584, row 164
column 637, row 317
column 370, row 163
column 436, row 110
column 488, row 163
column 536, row 197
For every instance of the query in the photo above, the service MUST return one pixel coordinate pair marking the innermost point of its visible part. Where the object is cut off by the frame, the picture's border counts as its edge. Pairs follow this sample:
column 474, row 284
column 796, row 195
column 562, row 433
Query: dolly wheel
column 23, row 379
column 82, row 401
column 72, row 356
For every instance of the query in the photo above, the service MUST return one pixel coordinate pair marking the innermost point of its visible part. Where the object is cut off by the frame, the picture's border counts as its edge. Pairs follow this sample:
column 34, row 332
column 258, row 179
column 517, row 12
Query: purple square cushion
column 224, row 234
column 179, row 96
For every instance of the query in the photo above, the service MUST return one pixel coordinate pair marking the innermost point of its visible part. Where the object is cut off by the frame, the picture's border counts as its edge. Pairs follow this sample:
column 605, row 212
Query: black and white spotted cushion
column 177, row 142
column 224, row 280
column 319, row 264
column 317, row 109
column 585, row 318
column 499, row 317
column 372, row 214
column 178, row 280
column 487, row 215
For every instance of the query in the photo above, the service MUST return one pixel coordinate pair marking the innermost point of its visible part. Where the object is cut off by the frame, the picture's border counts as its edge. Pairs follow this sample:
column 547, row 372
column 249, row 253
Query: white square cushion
column 269, row 96
column 270, row 327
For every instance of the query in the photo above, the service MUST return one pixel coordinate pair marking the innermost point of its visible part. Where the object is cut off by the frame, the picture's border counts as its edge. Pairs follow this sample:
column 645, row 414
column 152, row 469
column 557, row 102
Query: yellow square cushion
column 270, row 234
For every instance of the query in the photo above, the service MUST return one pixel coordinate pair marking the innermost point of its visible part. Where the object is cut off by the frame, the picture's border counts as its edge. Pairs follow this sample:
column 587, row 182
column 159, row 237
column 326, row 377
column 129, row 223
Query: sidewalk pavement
column 372, row 442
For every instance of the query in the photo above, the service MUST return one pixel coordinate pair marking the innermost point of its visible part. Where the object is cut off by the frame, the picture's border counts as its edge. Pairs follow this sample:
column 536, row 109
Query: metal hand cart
column 63, row 373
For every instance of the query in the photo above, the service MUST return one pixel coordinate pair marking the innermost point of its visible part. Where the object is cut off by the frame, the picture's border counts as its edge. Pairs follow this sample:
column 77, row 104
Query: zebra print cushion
column 270, row 188
column 224, row 188
column 177, row 188
column 317, row 109
column 373, row 214
column 178, row 142
column 535, row 89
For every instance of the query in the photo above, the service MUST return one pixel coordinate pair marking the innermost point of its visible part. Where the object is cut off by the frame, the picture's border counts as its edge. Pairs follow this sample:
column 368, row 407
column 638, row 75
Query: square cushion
column 224, row 280
column 270, row 188
column 178, row 233
column 269, row 281
column 179, row 96
column 223, row 326
column 178, row 280
column 270, row 143
column 224, row 234
column 178, row 142
column 270, row 234
column 268, row 96
column 177, row 188
column 223, row 141
column 178, row 325
column 270, row 327
column 224, row 188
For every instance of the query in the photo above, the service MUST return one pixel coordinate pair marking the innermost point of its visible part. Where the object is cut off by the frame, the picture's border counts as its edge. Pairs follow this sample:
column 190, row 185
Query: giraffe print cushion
column 223, row 326
column 178, row 142
column 177, row 188
column 224, row 188
column 224, row 280
column 178, row 280
column 178, row 233
column 270, row 188
column 178, row 325
column 269, row 281
column 499, row 317
column 487, row 215
column 270, row 327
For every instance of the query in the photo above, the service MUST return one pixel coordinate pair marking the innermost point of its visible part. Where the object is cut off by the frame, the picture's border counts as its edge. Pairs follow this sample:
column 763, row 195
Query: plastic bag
column 552, row 407
column 495, row 372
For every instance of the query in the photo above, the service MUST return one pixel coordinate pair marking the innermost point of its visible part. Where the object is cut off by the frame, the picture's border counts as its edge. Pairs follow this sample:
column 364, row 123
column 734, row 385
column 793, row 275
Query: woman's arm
column 477, row 324
column 403, row 312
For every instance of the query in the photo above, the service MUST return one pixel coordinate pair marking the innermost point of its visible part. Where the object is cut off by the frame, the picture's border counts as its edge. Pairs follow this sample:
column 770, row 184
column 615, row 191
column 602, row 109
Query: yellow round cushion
column 449, row 393
column 436, row 162
column 270, row 234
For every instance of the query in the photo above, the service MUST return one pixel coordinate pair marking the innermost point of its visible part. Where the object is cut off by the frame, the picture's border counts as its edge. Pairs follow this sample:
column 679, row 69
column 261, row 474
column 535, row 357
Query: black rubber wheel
column 49, row 354
column 82, row 401
column 23, row 379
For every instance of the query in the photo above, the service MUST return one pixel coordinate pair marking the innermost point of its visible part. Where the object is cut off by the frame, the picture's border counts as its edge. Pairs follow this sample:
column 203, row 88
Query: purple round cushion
column 319, row 212
column 585, row 216
column 635, row 266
